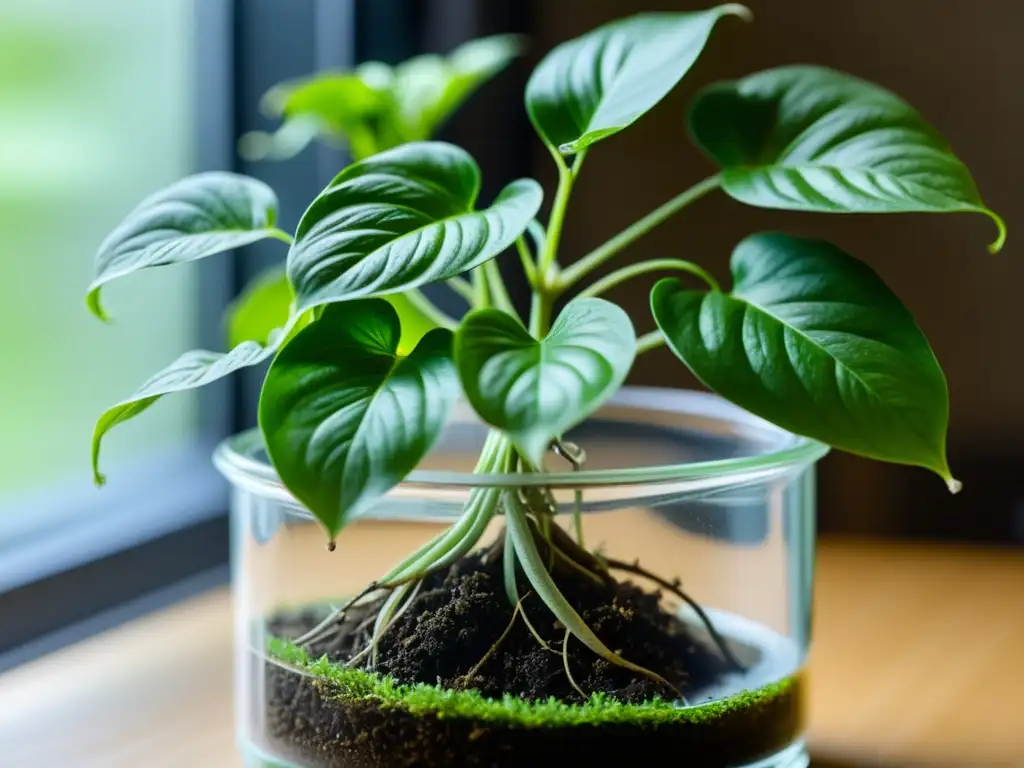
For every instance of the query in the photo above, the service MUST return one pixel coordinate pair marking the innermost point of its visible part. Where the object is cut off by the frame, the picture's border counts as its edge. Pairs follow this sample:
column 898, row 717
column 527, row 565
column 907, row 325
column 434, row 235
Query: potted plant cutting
column 508, row 636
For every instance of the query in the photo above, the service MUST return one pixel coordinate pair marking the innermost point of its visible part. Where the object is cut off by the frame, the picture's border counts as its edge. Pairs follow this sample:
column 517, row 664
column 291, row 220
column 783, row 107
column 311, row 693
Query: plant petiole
column 623, row 274
column 499, row 293
column 462, row 287
column 526, row 260
column 481, row 293
column 649, row 341
column 575, row 272
column 280, row 234
column 419, row 300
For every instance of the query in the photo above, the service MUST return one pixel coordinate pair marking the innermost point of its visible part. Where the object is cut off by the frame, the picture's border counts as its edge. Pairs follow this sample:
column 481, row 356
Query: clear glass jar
column 697, row 491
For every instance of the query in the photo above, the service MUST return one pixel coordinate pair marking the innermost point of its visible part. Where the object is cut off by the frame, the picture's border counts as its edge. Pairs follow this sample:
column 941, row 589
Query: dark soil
column 454, row 622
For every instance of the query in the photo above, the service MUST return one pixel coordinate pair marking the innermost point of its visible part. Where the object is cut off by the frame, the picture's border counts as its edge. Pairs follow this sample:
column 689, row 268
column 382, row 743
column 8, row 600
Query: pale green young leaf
column 192, row 370
column 199, row 216
column 594, row 86
column 812, row 139
column 376, row 107
column 536, row 390
column 345, row 417
column 812, row 340
column 415, row 324
column 402, row 219
column 263, row 307
column 428, row 89
column 353, row 106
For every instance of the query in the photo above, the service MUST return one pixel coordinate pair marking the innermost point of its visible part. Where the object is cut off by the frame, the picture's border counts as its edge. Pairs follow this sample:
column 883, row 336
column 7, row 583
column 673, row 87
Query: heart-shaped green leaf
column 345, row 417
column 812, row 340
column 192, row 370
column 594, row 86
column 376, row 107
column 535, row 390
column 813, row 139
column 401, row 219
column 196, row 217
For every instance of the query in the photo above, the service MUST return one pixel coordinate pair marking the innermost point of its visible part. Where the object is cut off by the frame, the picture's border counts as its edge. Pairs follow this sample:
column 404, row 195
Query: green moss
column 421, row 699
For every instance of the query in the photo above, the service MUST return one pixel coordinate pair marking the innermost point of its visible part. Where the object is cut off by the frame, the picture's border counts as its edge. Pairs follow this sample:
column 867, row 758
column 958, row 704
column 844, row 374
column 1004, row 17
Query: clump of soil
column 455, row 622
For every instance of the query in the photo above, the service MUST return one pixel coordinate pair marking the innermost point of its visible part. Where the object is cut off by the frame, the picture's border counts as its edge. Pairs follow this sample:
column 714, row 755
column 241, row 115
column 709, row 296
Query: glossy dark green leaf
column 813, row 139
column 345, row 417
column 812, row 340
column 193, row 218
column 536, row 390
column 401, row 219
column 591, row 87
column 192, row 370
column 376, row 107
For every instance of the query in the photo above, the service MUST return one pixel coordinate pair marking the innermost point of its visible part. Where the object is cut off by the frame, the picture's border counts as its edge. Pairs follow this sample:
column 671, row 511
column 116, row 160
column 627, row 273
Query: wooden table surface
column 918, row 661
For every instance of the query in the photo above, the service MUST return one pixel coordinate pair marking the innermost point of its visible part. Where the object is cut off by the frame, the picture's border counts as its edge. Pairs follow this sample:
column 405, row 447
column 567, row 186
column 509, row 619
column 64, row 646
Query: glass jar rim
column 236, row 457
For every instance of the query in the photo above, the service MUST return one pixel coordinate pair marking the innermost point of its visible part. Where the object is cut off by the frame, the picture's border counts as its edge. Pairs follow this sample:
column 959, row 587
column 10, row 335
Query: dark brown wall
column 960, row 64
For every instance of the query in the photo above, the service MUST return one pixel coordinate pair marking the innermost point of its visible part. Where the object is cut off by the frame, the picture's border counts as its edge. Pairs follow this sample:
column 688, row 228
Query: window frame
column 83, row 563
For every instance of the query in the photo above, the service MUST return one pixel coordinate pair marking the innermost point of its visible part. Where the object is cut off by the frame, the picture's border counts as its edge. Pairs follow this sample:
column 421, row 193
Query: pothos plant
column 806, row 336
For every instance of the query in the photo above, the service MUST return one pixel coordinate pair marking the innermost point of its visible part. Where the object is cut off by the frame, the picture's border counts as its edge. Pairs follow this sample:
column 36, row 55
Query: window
column 103, row 102
column 97, row 99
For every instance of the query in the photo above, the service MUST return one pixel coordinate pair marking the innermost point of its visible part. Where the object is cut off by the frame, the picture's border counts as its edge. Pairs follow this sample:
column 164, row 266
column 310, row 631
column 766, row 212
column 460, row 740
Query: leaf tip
column 1000, row 240
column 98, row 478
column 92, row 301
column 739, row 10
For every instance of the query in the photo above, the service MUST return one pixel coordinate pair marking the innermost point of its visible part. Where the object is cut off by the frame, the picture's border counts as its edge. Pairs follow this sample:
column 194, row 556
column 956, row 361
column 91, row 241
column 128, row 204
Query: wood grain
column 918, row 661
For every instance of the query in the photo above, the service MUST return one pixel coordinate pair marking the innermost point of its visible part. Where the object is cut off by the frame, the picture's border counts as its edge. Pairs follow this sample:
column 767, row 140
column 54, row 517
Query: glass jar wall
column 702, row 518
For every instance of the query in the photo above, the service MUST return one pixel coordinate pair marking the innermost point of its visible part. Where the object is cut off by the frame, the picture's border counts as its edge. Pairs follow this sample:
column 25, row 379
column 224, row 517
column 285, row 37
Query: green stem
column 280, row 234
column 526, row 259
column 462, row 287
column 508, row 568
column 540, row 314
column 427, row 307
column 649, row 341
column 499, row 293
column 533, row 566
column 547, row 273
column 538, row 234
column 572, row 274
column 512, row 592
column 654, row 265
column 566, row 177
column 481, row 296
column 495, row 457
column 384, row 617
